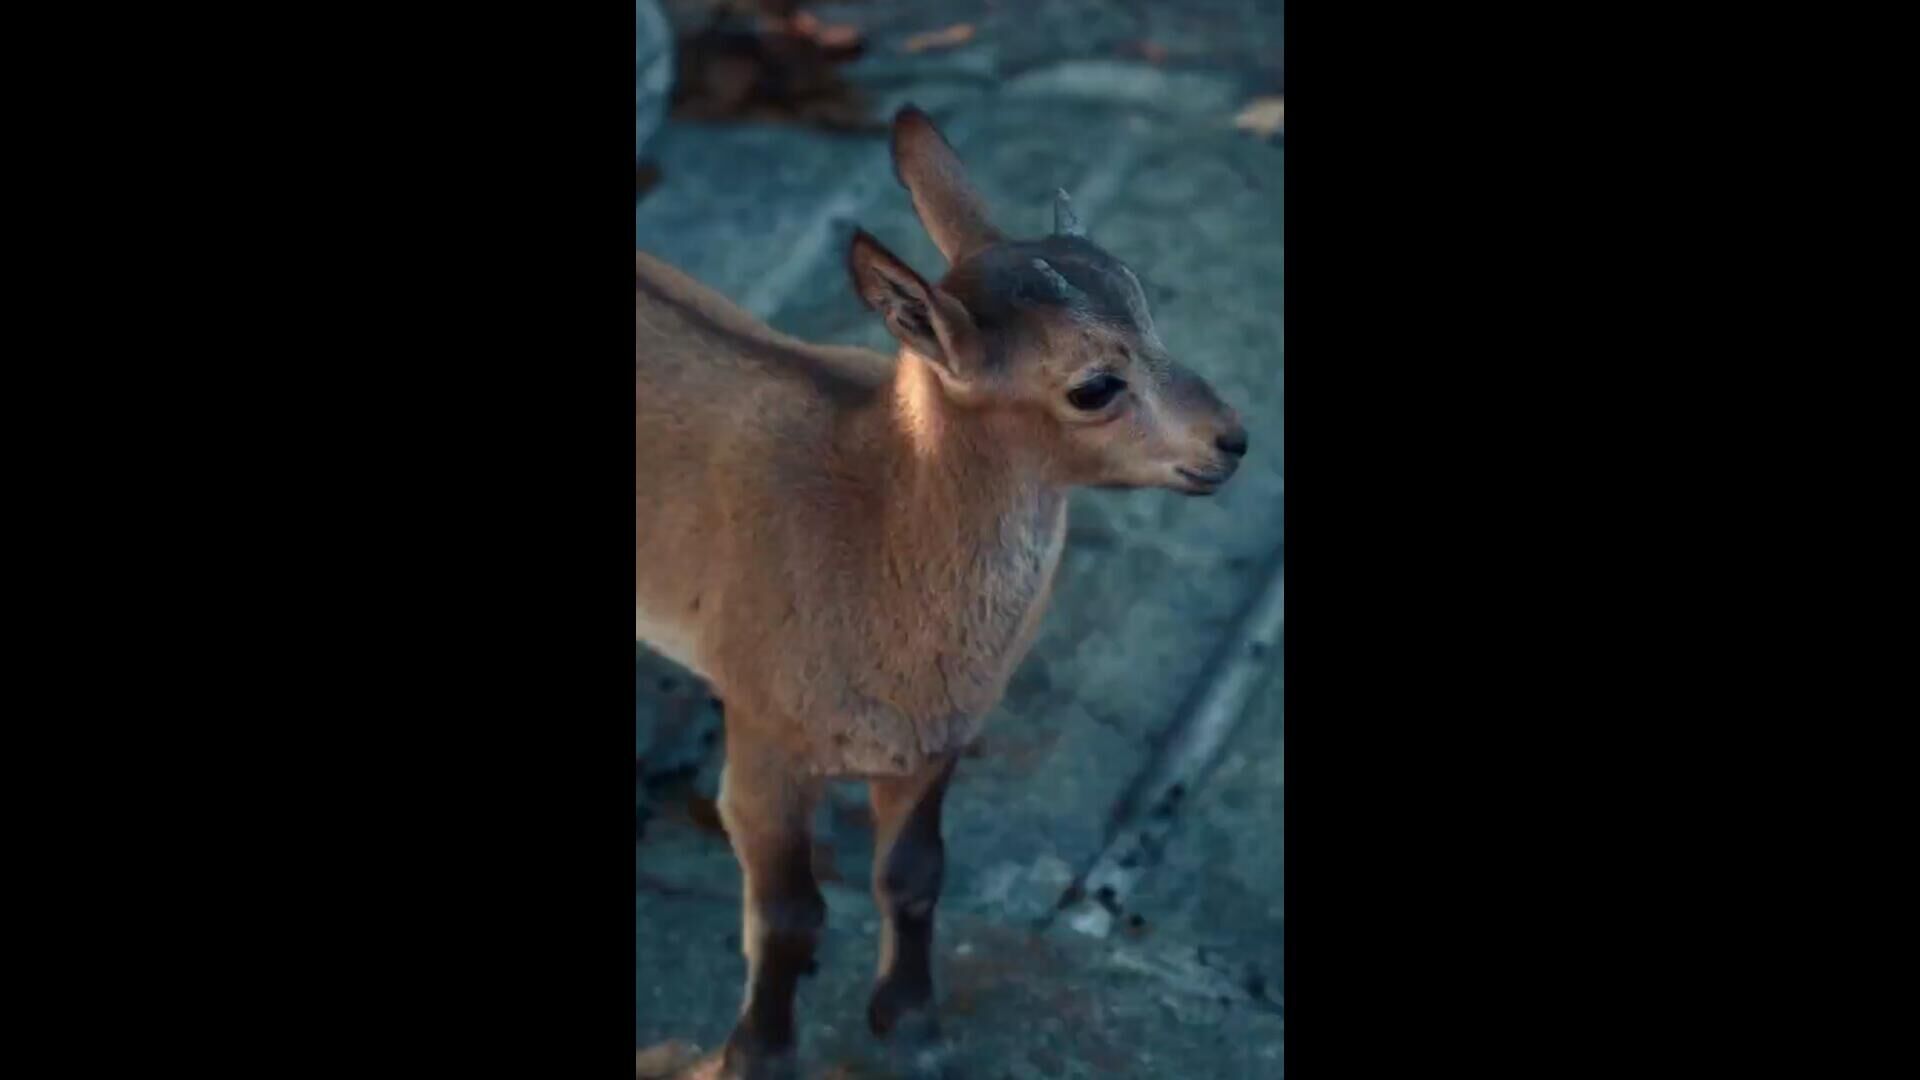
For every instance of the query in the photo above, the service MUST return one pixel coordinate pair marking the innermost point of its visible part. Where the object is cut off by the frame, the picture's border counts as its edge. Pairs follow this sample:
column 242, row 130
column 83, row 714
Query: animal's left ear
column 952, row 212
column 931, row 322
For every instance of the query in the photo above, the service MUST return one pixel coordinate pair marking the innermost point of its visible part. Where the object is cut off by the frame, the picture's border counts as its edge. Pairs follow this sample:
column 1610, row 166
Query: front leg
column 767, row 811
column 908, row 863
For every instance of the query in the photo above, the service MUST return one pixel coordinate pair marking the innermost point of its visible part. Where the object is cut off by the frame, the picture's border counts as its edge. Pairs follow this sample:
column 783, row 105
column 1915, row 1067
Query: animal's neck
column 973, row 528
column 973, row 476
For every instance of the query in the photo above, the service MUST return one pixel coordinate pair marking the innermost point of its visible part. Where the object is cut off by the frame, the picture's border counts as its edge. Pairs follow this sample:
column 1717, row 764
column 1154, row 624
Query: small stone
column 1047, row 1061
column 1051, row 873
column 1090, row 919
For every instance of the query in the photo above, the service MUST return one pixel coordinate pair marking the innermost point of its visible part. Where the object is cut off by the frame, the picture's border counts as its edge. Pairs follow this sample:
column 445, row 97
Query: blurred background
column 1113, row 896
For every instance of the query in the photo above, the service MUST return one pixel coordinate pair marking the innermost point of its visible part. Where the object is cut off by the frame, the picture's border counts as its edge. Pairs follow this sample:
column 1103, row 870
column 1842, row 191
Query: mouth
column 1202, row 483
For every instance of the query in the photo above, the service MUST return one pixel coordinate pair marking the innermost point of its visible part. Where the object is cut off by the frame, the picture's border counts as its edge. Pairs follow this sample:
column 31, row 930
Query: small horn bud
column 1059, row 287
column 1065, row 223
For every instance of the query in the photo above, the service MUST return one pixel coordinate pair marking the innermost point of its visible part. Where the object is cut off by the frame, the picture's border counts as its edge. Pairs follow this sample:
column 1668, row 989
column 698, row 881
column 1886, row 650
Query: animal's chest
column 945, row 670
column 993, row 630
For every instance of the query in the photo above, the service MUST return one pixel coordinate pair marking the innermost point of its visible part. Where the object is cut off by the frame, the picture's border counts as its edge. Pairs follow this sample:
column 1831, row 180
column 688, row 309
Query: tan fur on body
column 838, row 542
column 855, row 550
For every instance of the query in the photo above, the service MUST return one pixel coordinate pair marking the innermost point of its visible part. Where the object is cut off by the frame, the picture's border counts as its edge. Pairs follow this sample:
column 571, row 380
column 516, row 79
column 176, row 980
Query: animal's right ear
column 950, row 209
column 932, row 323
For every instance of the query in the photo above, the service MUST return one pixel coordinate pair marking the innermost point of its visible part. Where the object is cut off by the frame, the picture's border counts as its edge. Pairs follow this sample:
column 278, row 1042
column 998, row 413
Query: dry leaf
column 665, row 1059
column 838, row 36
column 957, row 34
column 1262, row 116
column 1151, row 51
column 826, row 35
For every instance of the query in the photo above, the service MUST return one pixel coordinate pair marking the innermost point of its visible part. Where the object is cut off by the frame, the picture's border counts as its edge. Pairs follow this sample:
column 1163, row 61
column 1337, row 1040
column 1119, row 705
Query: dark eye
column 1095, row 392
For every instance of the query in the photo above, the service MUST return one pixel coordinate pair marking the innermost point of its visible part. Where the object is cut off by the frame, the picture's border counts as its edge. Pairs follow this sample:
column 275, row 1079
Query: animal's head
column 1054, row 329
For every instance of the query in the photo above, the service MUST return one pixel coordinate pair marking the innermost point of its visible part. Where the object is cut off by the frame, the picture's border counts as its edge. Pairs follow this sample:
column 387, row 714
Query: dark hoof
column 915, row 1048
column 893, row 1003
column 880, row 1017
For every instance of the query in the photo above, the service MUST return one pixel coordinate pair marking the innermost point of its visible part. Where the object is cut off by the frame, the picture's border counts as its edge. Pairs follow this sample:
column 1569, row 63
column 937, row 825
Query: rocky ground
column 1131, row 107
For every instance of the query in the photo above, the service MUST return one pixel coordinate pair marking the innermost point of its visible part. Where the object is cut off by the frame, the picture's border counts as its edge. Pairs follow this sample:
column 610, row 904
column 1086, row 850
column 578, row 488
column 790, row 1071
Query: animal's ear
column 950, row 209
column 930, row 322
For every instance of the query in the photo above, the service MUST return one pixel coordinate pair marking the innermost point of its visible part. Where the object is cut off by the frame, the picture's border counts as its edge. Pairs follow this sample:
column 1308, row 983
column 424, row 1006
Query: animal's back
column 726, row 408
column 707, row 372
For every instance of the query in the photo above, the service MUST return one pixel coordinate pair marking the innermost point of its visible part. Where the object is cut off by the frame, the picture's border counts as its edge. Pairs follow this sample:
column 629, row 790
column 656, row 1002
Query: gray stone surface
column 653, row 69
column 1228, row 837
column 1015, row 1003
column 1239, row 39
column 1047, row 94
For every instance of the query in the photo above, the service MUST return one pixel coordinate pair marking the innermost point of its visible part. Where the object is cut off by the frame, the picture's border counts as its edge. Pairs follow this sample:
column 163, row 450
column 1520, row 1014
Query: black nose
column 1233, row 442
